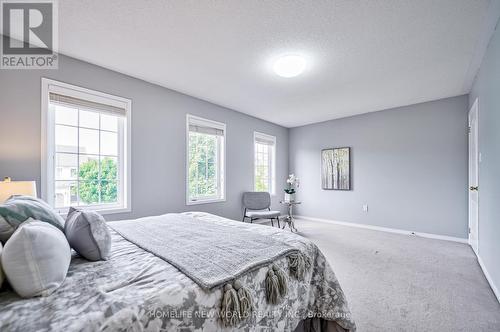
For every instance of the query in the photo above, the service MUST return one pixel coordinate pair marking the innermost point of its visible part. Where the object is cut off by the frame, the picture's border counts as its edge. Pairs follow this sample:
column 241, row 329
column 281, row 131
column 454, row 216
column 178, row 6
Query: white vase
column 289, row 197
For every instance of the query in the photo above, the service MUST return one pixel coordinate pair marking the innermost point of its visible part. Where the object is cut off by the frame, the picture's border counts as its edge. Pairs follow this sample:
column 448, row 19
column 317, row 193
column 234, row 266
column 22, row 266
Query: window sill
column 64, row 212
column 271, row 194
column 114, row 211
column 206, row 201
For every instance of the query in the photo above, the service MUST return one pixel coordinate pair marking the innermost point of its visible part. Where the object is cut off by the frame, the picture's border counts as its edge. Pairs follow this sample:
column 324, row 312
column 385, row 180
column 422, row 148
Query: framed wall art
column 336, row 169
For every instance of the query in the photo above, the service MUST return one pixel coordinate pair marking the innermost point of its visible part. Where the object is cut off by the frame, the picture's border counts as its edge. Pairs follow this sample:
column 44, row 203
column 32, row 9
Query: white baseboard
column 488, row 277
column 387, row 229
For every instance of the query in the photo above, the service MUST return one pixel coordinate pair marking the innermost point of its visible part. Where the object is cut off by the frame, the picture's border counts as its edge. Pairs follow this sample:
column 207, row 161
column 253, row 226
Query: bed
column 136, row 290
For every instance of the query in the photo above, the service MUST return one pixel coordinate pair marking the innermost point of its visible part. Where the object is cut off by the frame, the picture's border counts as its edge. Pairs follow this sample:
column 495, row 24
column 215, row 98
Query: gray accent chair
column 257, row 206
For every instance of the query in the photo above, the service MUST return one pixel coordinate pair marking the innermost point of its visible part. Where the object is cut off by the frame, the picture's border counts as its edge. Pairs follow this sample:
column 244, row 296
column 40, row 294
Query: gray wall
column 158, row 137
column 408, row 164
column 487, row 88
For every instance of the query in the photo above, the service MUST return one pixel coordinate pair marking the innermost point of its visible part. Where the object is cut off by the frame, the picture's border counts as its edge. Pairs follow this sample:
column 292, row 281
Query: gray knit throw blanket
column 209, row 253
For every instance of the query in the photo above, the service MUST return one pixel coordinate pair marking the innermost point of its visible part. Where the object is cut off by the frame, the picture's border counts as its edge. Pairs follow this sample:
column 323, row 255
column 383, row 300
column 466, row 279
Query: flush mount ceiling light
column 289, row 65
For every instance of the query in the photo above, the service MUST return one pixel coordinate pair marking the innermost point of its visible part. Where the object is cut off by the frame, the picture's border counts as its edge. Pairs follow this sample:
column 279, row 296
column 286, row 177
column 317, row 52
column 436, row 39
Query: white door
column 473, row 177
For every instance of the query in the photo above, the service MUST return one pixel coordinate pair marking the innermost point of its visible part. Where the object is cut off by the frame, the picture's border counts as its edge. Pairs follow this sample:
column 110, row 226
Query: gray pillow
column 36, row 259
column 17, row 209
column 88, row 234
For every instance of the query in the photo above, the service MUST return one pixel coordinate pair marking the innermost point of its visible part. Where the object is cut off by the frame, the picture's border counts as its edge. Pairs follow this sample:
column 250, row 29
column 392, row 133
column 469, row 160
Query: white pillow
column 1, row 271
column 36, row 259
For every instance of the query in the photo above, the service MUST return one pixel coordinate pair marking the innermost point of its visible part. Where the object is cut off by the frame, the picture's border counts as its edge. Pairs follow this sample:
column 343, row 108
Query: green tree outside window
column 94, row 189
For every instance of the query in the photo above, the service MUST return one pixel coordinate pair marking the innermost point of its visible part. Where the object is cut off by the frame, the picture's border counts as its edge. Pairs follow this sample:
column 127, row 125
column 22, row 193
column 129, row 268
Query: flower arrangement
column 291, row 183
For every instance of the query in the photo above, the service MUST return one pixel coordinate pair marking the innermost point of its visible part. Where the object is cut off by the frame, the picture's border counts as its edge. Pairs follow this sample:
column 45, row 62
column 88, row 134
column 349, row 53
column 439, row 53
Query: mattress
column 137, row 291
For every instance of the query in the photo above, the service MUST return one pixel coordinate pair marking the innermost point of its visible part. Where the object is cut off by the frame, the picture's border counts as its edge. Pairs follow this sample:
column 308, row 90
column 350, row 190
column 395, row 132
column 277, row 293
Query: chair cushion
column 18, row 208
column 36, row 259
column 88, row 234
column 263, row 214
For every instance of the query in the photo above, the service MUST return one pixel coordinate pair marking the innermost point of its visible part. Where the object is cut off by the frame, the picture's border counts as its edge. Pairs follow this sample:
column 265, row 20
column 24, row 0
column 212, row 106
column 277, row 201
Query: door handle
column 473, row 188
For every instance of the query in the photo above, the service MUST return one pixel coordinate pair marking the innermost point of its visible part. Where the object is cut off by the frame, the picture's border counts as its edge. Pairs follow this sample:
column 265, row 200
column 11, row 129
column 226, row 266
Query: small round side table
column 289, row 218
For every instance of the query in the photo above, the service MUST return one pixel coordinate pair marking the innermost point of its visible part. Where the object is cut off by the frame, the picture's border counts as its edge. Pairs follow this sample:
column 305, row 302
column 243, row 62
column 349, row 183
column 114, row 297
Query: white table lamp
column 9, row 188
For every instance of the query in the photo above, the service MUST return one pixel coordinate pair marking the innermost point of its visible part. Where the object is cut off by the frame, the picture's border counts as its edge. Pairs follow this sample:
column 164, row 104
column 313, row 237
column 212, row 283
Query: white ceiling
column 364, row 55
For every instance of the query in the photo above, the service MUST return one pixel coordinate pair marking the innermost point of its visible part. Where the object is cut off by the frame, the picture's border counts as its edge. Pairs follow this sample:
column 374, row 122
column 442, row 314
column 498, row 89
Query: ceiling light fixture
column 289, row 65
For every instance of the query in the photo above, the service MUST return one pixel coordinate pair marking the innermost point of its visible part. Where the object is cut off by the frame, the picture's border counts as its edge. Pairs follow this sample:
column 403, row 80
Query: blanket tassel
column 282, row 280
column 245, row 299
column 230, row 311
column 276, row 284
column 298, row 263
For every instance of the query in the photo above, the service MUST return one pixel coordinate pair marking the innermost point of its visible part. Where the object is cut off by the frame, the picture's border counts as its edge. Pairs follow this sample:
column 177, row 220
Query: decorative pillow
column 6, row 229
column 88, row 234
column 18, row 209
column 36, row 259
column 1, row 271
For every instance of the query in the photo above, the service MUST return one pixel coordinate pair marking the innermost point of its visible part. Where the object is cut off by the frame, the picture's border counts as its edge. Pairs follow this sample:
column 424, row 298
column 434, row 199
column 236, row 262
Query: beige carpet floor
column 399, row 282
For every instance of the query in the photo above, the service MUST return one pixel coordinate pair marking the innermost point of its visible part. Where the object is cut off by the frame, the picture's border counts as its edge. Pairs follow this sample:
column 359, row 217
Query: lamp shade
column 9, row 188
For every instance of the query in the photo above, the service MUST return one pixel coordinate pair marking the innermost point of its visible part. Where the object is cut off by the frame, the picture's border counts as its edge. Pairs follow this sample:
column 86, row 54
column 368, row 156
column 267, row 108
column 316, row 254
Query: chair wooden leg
column 272, row 224
column 278, row 218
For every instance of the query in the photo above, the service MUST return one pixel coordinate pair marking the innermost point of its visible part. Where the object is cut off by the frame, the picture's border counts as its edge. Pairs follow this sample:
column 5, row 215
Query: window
column 86, row 148
column 205, row 161
column 264, row 162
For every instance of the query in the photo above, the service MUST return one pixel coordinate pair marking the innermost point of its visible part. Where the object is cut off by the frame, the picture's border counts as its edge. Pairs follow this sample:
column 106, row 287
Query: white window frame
column 272, row 162
column 48, row 143
column 221, row 158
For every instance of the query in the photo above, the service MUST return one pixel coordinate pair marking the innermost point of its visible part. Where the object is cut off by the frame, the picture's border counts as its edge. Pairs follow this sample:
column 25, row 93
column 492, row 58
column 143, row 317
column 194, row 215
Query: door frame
column 474, row 108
